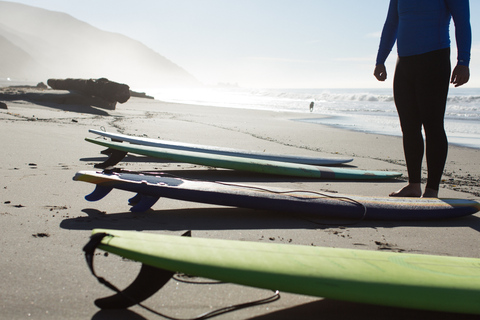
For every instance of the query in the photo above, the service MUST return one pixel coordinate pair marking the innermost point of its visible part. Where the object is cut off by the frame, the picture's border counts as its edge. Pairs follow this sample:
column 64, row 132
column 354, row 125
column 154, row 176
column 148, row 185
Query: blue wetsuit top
column 421, row 26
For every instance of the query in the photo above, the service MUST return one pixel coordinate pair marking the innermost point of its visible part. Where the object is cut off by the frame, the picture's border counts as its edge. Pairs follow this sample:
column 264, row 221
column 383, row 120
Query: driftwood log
column 101, row 88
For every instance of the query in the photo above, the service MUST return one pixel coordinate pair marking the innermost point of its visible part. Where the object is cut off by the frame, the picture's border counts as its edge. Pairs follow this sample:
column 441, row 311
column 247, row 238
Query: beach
column 46, row 220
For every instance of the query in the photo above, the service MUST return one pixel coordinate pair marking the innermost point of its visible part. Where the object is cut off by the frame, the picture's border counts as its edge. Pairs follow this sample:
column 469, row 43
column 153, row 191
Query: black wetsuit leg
column 420, row 89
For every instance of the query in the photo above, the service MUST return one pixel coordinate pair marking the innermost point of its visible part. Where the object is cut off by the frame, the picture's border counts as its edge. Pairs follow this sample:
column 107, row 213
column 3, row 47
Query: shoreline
column 46, row 220
column 349, row 127
column 365, row 110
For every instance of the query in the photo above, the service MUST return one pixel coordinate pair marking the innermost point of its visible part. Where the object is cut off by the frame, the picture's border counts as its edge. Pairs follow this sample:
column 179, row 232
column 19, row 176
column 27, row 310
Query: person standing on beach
column 421, row 81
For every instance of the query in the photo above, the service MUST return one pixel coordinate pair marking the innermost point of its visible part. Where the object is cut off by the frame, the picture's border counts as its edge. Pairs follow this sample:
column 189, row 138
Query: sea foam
column 366, row 110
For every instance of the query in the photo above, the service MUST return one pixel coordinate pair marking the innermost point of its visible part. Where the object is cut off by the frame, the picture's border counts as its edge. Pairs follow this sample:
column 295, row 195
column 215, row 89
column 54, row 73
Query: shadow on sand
column 325, row 309
column 65, row 101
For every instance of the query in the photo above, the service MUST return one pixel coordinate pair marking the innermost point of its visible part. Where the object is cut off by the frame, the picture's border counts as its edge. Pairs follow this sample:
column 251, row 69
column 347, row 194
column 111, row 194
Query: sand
column 45, row 220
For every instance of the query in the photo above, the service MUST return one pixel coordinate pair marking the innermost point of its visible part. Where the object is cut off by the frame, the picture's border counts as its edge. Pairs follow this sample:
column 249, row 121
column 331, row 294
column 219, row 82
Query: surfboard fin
column 147, row 283
column 107, row 151
column 99, row 193
column 110, row 150
column 142, row 202
column 115, row 157
column 134, row 200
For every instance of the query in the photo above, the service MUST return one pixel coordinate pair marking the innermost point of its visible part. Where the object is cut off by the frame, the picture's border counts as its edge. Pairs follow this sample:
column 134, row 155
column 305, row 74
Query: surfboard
column 220, row 151
column 150, row 187
column 238, row 163
column 428, row 282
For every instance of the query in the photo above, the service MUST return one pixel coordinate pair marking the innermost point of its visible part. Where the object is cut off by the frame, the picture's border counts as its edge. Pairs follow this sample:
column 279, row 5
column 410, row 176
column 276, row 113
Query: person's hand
column 460, row 75
column 380, row 72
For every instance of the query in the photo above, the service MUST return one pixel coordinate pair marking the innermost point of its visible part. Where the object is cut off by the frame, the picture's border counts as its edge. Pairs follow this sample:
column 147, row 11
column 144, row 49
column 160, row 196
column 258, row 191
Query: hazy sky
column 258, row 43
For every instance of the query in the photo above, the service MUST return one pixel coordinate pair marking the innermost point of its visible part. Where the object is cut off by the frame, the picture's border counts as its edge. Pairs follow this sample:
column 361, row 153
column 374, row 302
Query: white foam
column 367, row 110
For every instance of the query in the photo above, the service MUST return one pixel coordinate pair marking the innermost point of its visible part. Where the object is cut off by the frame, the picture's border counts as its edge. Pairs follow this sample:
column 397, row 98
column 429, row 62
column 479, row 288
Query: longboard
column 220, row 151
column 150, row 187
column 429, row 282
column 238, row 163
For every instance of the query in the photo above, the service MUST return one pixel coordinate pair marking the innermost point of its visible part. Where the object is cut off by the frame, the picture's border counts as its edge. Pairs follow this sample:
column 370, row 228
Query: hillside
column 38, row 44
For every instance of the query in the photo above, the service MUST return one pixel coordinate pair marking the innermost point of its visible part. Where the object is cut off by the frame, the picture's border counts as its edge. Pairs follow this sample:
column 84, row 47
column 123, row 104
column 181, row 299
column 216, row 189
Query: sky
column 259, row 43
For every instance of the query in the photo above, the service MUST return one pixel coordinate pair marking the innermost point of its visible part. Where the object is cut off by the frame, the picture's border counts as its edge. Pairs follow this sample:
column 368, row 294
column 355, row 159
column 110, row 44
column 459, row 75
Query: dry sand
column 45, row 220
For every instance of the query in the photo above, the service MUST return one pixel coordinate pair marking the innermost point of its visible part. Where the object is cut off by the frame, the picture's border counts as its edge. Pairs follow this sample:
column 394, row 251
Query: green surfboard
column 246, row 164
column 428, row 282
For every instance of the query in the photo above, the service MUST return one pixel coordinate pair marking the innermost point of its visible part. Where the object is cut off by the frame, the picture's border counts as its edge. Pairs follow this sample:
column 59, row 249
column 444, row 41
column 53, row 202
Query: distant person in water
column 422, row 75
column 311, row 106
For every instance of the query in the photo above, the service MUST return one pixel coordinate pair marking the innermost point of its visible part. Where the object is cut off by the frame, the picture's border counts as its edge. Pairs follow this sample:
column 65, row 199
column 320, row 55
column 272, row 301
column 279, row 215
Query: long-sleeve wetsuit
column 421, row 30
column 421, row 26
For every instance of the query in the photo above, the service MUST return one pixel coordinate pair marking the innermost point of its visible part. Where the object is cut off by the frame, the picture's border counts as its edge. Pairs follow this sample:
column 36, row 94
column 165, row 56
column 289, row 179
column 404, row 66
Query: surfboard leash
column 148, row 282
column 289, row 192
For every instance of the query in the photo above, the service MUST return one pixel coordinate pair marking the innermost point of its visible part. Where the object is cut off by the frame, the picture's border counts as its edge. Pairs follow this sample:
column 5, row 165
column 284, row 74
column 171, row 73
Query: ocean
column 365, row 110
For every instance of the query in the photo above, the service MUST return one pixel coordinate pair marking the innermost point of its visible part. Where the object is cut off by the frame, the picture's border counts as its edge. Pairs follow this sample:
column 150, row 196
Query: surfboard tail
column 147, row 283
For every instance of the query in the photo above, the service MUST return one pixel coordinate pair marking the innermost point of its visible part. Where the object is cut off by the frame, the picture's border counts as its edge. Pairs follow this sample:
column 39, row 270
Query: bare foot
column 430, row 193
column 413, row 190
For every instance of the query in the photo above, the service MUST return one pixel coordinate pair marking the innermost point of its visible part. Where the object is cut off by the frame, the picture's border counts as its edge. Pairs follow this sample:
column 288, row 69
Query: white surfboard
column 221, row 151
